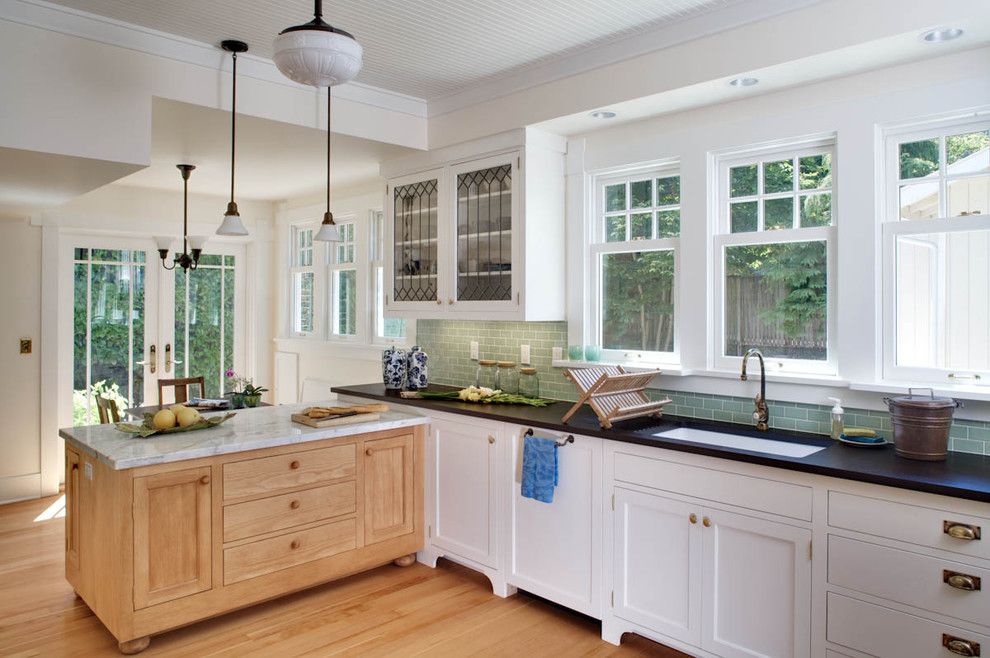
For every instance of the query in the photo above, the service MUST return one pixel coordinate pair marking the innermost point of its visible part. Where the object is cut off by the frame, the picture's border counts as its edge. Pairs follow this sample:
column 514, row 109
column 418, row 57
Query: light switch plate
column 524, row 355
column 474, row 350
column 88, row 471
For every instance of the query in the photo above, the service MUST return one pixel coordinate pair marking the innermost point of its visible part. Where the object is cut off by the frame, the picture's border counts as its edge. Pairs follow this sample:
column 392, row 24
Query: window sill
column 811, row 379
column 962, row 392
column 670, row 369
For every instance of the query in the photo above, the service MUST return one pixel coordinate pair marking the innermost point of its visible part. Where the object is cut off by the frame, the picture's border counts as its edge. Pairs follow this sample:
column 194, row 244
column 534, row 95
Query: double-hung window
column 342, row 277
column 633, row 258
column 303, row 279
column 936, row 253
column 387, row 330
column 773, row 253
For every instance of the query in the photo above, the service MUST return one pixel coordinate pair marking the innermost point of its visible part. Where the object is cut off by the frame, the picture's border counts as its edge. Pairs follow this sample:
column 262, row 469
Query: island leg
column 137, row 645
column 405, row 560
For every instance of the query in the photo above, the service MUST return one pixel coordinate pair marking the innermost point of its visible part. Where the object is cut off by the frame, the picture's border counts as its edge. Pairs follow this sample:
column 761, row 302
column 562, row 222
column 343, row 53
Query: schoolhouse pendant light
column 192, row 245
column 316, row 53
column 232, row 224
column 328, row 230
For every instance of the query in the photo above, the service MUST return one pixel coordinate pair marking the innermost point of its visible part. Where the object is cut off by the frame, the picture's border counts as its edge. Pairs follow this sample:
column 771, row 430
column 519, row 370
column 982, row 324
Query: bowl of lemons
column 177, row 418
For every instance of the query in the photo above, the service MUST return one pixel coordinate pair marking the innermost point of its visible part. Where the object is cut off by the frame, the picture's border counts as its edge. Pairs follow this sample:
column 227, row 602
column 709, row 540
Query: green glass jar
column 507, row 377
column 529, row 383
column 485, row 377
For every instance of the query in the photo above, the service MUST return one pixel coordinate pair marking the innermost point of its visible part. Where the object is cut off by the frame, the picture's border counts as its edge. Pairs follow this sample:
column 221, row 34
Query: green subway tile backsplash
column 448, row 344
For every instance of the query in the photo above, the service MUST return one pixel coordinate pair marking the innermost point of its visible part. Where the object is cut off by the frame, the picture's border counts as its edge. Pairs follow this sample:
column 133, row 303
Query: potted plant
column 243, row 392
column 252, row 394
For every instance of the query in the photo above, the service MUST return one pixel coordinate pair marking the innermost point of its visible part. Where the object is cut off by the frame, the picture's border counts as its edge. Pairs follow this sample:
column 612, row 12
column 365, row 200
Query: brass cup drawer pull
column 959, row 646
column 961, row 581
column 962, row 531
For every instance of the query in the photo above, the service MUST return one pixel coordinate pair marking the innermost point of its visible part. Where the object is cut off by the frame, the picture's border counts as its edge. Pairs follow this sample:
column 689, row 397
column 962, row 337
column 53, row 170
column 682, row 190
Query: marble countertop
column 250, row 429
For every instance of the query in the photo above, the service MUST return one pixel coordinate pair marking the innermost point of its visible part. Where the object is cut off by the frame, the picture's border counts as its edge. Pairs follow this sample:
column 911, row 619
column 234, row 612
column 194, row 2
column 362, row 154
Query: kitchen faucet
column 762, row 413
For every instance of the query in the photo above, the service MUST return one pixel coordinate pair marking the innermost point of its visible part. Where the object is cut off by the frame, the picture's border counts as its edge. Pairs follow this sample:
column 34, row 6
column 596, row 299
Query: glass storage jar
column 529, row 383
column 485, row 377
column 506, row 377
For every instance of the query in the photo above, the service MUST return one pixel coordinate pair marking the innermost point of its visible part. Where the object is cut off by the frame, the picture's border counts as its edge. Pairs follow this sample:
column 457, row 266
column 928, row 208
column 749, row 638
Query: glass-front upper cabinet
column 484, row 217
column 415, row 216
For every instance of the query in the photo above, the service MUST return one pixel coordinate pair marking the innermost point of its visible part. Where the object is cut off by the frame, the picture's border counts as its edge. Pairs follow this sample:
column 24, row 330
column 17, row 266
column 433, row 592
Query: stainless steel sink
column 750, row 443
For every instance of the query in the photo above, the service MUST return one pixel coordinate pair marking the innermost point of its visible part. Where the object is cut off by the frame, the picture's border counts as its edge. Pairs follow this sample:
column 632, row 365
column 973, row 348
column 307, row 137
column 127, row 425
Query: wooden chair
column 181, row 388
column 107, row 410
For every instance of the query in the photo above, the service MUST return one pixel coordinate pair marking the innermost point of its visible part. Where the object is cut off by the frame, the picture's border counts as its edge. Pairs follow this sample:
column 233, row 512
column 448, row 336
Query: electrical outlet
column 558, row 354
column 524, row 355
column 25, row 346
column 474, row 350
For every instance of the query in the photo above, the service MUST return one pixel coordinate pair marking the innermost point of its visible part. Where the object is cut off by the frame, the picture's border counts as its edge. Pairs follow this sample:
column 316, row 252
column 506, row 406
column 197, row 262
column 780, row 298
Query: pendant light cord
column 328, row 148
column 185, row 212
column 233, row 126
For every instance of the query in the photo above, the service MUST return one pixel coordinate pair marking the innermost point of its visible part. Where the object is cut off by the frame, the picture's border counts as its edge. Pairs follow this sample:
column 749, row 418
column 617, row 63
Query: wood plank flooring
column 416, row 611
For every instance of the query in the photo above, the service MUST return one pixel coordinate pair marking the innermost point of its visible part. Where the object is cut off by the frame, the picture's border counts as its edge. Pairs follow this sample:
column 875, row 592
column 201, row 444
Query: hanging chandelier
column 192, row 245
column 232, row 224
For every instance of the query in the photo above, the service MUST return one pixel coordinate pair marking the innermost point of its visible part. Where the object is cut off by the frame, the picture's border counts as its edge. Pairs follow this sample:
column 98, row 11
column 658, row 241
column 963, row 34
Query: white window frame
column 598, row 247
column 333, row 269
column 893, row 227
column 722, row 238
column 295, row 271
column 377, row 292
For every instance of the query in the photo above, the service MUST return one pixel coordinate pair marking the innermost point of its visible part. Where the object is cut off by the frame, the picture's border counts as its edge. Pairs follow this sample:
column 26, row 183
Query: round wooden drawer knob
column 294, row 504
column 294, row 464
column 205, row 479
column 295, row 544
column 369, row 452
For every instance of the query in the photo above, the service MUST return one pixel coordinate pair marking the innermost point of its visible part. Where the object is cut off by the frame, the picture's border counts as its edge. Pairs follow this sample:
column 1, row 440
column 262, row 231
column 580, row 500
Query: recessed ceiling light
column 743, row 82
column 940, row 34
column 603, row 114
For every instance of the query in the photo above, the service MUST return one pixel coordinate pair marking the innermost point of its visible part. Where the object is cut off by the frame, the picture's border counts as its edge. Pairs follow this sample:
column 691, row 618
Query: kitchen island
column 169, row 530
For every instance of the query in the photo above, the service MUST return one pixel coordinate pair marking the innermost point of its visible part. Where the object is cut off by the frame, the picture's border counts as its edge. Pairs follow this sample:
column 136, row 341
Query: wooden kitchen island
column 170, row 530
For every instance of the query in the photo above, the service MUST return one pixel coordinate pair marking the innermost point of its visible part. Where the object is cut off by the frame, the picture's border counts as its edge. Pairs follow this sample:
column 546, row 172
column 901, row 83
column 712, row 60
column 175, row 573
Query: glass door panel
column 484, row 234
column 415, row 218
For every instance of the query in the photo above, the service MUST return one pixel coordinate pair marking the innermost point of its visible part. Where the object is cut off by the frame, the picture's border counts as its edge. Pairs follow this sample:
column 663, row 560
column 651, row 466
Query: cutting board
column 331, row 421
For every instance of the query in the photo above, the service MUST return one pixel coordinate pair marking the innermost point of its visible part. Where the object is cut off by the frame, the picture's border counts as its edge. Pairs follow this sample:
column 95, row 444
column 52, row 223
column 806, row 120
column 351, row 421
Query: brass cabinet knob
column 205, row 479
column 706, row 522
column 294, row 464
column 369, row 452
column 294, row 504
column 438, row 301
column 959, row 646
column 450, row 300
column 693, row 518
column 491, row 439
column 962, row 531
column 295, row 544
column 961, row 581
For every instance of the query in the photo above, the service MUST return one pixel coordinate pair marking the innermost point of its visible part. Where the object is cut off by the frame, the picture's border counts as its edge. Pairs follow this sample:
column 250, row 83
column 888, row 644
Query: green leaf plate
column 146, row 429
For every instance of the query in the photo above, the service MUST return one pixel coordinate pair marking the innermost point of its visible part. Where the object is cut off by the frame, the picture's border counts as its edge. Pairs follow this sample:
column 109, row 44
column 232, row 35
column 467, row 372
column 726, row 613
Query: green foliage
column 80, row 411
column 637, row 301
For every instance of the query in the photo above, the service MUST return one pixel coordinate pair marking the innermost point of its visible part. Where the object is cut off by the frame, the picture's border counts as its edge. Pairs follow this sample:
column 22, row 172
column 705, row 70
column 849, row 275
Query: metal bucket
column 921, row 425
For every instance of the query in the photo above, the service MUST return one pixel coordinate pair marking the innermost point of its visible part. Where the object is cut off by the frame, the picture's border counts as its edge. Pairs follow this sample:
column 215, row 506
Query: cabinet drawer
column 910, row 578
column 257, row 517
column 297, row 469
column 887, row 633
column 288, row 550
column 781, row 498
column 909, row 523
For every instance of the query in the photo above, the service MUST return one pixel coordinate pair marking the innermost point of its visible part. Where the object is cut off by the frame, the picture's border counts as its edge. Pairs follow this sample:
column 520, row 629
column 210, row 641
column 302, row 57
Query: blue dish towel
column 539, row 468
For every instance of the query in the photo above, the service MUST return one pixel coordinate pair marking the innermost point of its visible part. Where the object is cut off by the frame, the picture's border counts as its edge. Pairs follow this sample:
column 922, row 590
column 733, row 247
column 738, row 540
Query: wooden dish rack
column 614, row 394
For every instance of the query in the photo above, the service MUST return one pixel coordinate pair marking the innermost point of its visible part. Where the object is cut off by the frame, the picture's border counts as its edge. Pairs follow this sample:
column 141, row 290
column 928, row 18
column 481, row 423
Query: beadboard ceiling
column 424, row 48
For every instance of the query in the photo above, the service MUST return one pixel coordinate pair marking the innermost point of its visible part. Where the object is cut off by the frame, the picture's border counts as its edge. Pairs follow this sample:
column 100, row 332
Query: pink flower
column 229, row 373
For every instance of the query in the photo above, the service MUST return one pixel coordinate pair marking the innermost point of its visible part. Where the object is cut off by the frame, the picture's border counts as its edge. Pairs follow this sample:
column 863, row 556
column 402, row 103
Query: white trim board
column 21, row 487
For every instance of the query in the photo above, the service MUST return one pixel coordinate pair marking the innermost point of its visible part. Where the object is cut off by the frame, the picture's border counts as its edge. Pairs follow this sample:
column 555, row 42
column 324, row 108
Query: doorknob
column 152, row 361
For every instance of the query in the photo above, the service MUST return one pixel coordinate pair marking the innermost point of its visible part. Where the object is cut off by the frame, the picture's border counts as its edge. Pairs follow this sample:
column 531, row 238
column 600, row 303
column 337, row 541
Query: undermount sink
column 753, row 444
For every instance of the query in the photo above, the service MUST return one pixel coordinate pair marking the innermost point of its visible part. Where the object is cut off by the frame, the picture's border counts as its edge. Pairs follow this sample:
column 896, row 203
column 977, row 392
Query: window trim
column 722, row 237
column 296, row 269
column 598, row 247
column 892, row 227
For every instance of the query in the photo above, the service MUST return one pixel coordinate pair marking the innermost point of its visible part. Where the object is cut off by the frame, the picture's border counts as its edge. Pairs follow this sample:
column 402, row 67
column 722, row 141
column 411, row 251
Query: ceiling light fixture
column 941, row 34
column 232, row 224
column 317, row 53
column 328, row 229
column 743, row 82
column 603, row 114
column 192, row 246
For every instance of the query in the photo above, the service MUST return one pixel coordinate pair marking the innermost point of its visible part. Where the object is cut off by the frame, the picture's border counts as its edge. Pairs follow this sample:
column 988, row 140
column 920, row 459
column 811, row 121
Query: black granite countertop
column 961, row 475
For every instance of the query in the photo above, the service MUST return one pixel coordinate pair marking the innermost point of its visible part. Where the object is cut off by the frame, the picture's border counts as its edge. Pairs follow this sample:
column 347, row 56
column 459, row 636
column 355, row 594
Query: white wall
column 851, row 108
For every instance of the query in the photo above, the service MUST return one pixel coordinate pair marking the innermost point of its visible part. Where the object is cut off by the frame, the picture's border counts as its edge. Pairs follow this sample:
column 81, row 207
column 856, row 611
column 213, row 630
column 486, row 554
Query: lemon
column 188, row 417
column 176, row 408
column 164, row 420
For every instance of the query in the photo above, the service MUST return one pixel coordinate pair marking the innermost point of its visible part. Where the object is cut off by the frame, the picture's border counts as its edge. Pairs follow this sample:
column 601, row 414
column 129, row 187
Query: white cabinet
column 555, row 547
column 476, row 231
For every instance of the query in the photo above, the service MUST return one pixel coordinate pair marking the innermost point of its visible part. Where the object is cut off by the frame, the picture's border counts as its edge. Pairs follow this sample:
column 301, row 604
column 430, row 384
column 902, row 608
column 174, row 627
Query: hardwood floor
column 449, row 611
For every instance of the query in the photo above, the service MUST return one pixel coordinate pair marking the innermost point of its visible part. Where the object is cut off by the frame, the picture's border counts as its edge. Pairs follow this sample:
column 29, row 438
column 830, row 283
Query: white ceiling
column 275, row 161
column 423, row 48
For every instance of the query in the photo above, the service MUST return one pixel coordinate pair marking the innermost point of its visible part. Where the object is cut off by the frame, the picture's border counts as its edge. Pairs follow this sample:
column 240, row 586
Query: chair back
column 181, row 387
column 107, row 410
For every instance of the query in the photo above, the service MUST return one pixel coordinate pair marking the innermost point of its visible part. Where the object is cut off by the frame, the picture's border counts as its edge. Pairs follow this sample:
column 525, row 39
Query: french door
column 134, row 322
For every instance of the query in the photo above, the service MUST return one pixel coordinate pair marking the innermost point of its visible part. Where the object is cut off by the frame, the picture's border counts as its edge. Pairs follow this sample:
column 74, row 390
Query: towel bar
column 560, row 444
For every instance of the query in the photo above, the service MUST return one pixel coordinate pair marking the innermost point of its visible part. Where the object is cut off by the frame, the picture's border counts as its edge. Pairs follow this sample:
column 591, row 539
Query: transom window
column 792, row 192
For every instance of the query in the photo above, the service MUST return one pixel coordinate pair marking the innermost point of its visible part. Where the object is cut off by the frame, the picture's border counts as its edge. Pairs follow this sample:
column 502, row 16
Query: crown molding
column 64, row 20
column 738, row 13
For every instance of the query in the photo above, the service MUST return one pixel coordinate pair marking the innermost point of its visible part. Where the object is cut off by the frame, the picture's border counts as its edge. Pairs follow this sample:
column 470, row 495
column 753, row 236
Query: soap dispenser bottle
column 837, row 412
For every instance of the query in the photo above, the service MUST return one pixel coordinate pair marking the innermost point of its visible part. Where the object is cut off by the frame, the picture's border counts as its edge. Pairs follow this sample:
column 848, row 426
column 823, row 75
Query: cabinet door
column 757, row 587
column 556, row 547
column 413, row 245
column 486, row 222
column 389, row 476
column 463, row 490
column 172, row 535
column 73, row 478
column 657, row 562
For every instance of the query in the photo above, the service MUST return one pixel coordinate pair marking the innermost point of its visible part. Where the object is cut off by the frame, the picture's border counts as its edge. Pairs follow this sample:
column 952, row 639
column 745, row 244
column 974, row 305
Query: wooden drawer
column 909, row 523
column 771, row 496
column 909, row 578
column 257, row 517
column 288, row 550
column 887, row 633
column 269, row 475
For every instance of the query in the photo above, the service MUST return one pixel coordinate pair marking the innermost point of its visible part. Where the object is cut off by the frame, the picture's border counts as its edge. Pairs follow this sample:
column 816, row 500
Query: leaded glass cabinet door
column 414, row 218
column 486, row 223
